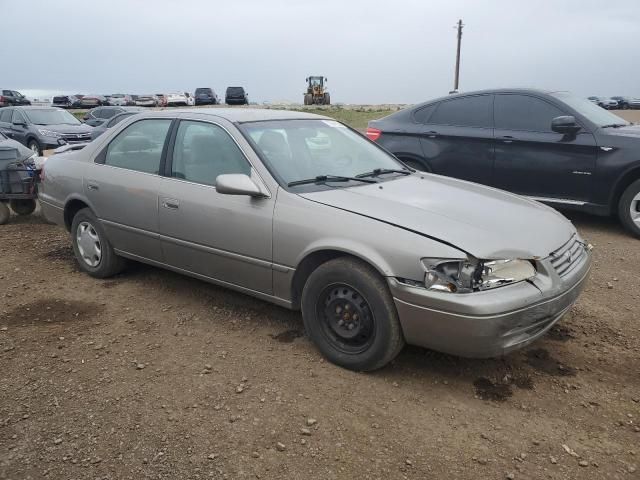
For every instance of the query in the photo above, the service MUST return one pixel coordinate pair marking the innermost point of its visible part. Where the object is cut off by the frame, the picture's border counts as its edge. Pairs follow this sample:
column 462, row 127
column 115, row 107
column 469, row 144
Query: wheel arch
column 412, row 157
column 312, row 260
column 621, row 185
column 73, row 206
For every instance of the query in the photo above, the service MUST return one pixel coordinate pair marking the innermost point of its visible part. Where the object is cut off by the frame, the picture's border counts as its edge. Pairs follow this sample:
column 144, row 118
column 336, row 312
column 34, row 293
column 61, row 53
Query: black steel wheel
column 349, row 314
column 23, row 206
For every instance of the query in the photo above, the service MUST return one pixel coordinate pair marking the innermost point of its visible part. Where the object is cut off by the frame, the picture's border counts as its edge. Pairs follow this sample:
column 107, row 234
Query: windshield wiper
column 328, row 178
column 614, row 125
column 381, row 171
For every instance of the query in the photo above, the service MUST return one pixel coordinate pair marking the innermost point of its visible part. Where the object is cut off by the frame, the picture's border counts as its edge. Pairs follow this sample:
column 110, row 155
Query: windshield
column 590, row 110
column 51, row 117
column 301, row 149
column 315, row 81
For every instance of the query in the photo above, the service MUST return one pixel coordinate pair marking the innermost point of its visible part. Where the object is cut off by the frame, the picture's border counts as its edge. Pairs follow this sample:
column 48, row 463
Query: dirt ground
column 154, row 375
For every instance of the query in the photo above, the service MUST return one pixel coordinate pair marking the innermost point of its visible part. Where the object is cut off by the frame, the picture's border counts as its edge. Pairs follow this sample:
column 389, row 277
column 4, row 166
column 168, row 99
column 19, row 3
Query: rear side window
column 104, row 112
column 522, row 112
column 465, row 112
column 139, row 146
column 422, row 115
column 203, row 151
column 5, row 116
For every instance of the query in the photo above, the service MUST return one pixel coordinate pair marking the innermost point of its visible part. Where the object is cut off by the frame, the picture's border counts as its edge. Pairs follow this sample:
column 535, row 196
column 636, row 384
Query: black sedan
column 550, row 146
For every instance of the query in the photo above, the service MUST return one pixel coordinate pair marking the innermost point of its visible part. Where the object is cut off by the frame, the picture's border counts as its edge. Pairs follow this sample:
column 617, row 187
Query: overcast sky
column 400, row 51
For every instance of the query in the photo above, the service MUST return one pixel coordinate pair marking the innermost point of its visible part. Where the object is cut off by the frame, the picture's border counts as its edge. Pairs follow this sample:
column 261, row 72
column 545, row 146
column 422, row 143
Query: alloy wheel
column 634, row 209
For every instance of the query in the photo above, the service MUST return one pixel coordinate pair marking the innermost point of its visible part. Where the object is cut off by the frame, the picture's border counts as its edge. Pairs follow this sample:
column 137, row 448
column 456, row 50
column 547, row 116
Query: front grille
column 567, row 257
column 76, row 137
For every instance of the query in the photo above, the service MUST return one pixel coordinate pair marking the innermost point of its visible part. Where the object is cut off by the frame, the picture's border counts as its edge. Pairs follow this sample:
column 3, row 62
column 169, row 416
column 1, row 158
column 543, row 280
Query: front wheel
column 91, row 247
column 350, row 316
column 23, row 207
column 629, row 208
column 35, row 147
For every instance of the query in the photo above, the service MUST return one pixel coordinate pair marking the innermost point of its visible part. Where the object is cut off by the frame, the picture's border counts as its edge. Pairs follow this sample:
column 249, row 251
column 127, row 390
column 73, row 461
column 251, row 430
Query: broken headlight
column 472, row 275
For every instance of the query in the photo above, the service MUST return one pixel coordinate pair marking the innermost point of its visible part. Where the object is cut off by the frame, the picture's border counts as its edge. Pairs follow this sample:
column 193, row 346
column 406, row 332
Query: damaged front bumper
column 494, row 322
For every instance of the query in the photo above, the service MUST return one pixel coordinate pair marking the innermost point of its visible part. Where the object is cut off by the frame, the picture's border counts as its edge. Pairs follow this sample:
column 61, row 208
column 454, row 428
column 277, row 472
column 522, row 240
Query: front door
column 533, row 160
column 123, row 186
column 223, row 237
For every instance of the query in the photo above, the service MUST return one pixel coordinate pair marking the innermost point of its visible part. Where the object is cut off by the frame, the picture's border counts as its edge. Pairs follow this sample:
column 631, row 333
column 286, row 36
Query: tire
column 367, row 335
column 629, row 208
column 5, row 213
column 326, row 99
column 97, row 259
column 23, row 207
column 35, row 147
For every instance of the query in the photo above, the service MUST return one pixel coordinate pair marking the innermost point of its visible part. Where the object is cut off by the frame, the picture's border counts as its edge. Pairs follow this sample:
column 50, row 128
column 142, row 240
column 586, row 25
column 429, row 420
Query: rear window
column 203, row 90
column 235, row 90
column 60, row 99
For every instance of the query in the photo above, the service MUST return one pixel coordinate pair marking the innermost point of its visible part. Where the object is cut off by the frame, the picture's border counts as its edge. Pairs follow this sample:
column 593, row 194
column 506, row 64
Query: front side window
column 204, row 151
column 301, row 149
column 472, row 111
column 591, row 111
column 139, row 146
column 18, row 117
column 522, row 112
column 117, row 119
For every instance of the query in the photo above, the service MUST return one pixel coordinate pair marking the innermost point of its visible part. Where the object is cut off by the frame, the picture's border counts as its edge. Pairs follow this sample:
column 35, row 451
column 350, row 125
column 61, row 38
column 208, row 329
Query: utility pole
column 457, row 78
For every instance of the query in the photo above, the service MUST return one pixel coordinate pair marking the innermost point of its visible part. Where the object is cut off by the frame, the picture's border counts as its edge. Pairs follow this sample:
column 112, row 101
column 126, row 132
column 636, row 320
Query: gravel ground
column 154, row 375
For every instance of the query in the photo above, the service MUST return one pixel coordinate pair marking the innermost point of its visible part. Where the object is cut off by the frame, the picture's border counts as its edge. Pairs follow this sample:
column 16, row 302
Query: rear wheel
column 629, row 208
column 4, row 213
column 23, row 207
column 91, row 247
column 350, row 316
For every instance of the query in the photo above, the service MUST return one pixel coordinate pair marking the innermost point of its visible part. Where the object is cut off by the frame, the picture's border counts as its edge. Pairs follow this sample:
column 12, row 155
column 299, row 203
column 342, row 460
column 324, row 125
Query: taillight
column 373, row 134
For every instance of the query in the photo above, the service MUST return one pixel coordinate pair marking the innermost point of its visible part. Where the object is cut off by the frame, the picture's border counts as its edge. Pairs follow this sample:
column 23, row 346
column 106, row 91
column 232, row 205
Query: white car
column 177, row 98
column 191, row 100
column 120, row 100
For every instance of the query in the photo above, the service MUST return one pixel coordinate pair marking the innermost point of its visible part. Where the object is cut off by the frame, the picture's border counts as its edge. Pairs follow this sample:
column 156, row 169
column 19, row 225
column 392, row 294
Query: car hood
column 12, row 149
column 62, row 128
column 627, row 131
column 482, row 221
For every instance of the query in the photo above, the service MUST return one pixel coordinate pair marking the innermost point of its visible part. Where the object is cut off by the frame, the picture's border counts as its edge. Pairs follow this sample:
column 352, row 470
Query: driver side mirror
column 238, row 184
column 20, row 123
column 565, row 124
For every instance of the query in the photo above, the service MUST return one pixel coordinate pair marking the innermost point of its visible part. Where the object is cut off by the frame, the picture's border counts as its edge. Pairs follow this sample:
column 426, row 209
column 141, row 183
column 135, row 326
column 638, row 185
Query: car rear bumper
column 490, row 323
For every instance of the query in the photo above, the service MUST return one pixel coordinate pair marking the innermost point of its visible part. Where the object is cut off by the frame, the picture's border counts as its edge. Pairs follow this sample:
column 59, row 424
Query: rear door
column 533, row 160
column 5, row 121
column 224, row 237
column 457, row 137
column 123, row 183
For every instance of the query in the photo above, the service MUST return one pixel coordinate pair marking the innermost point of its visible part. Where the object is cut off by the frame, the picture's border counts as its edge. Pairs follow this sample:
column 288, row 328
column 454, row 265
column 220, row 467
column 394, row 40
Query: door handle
column 507, row 139
column 93, row 186
column 171, row 203
column 432, row 134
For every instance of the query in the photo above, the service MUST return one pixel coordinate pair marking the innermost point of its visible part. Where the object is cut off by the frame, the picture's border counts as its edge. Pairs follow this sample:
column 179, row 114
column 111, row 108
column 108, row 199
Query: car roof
column 240, row 115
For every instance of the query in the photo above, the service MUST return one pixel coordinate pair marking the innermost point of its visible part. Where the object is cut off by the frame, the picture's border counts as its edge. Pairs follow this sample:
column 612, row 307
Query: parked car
column 11, row 97
column 373, row 253
column 550, row 146
column 146, row 101
column 161, row 99
column 113, row 121
column 236, row 96
column 206, row 96
column 100, row 115
column 18, row 167
column 604, row 102
column 43, row 128
column 66, row 101
column 626, row 103
column 120, row 100
column 191, row 101
column 177, row 99
column 92, row 101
